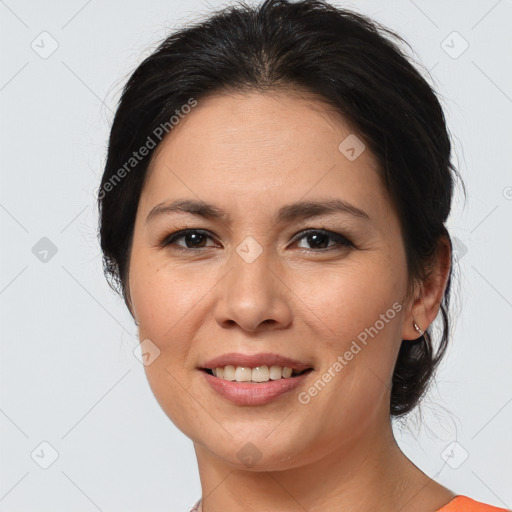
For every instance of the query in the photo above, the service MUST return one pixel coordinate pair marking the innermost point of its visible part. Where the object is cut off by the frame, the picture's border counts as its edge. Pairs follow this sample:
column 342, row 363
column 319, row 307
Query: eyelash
column 339, row 239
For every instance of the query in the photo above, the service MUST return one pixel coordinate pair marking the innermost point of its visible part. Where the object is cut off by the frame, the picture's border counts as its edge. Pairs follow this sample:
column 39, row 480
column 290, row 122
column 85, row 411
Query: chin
column 254, row 448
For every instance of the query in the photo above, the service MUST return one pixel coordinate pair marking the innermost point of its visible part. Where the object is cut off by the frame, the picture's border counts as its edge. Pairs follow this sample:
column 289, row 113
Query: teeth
column 229, row 372
column 287, row 372
column 243, row 374
column 258, row 374
column 276, row 372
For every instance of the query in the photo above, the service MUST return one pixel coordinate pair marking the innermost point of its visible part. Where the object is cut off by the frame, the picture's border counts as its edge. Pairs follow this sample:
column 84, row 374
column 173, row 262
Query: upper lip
column 253, row 360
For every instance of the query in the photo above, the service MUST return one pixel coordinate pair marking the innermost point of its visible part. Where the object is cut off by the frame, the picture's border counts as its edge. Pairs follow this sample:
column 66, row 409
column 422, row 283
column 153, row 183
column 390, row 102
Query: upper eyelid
column 303, row 232
column 298, row 236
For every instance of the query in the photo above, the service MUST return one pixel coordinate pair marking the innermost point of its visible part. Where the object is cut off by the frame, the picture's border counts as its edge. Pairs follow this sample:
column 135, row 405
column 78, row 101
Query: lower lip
column 247, row 393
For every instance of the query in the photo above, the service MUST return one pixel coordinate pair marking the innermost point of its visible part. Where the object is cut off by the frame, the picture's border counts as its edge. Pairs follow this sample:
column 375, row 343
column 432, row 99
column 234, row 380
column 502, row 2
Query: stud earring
column 417, row 327
column 136, row 322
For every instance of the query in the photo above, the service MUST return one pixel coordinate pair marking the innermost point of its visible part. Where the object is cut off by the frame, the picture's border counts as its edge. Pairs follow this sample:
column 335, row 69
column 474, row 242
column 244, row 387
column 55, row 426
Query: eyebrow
column 288, row 213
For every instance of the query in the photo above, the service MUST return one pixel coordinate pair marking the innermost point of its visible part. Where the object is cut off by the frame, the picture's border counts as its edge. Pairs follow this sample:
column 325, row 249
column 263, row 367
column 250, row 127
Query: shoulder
column 465, row 504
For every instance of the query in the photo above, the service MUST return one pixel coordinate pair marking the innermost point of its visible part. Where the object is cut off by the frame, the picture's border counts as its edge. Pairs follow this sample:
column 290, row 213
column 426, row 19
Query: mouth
column 255, row 375
column 254, row 368
column 255, row 380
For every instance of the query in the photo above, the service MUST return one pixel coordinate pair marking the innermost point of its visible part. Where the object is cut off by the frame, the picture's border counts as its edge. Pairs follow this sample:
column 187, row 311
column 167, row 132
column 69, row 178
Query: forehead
column 262, row 149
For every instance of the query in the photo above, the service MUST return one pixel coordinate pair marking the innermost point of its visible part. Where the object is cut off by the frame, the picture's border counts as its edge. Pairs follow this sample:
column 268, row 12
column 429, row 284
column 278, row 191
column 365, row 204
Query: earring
column 416, row 326
column 136, row 322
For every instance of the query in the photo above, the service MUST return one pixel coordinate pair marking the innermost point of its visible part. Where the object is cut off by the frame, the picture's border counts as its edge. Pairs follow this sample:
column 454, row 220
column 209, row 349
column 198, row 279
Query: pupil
column 314, row 237
column 193, row 238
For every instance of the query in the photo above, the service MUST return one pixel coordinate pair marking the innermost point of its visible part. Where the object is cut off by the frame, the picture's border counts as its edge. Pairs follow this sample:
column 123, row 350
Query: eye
column 197, row 238
column 194, row 239
column 318, row 238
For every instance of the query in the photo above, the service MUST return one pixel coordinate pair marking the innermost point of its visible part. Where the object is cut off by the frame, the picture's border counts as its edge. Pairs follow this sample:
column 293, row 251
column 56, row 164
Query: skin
column 250, row 154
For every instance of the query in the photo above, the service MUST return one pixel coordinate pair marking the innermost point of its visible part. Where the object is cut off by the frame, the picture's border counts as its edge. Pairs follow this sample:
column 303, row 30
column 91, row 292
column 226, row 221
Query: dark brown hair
column 349, row 61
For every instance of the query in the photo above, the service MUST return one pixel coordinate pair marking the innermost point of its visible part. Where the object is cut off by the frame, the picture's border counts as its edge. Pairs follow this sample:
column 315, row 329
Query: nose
column 253, row 296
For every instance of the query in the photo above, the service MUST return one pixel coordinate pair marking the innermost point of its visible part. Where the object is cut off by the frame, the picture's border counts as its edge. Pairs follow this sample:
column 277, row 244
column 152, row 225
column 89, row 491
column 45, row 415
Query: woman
column 273, row 211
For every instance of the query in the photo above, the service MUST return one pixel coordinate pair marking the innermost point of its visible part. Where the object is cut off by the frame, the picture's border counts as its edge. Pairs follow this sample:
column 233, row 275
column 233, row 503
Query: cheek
column 164, row 298
column 355, row 315
column 343, row 301
column 355, row 321
column 168, row 306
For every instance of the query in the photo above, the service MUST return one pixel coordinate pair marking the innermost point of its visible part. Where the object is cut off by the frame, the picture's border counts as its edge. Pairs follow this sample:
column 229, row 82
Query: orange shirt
column 465, row 504
column 458, row 504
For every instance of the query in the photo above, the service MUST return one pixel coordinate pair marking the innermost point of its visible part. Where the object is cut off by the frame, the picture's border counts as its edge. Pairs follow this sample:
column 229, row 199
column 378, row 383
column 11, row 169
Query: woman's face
column 269, row 278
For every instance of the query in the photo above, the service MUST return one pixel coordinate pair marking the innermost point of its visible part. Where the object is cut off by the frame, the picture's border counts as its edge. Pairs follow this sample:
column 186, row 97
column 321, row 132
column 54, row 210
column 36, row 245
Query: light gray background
column 68, row 374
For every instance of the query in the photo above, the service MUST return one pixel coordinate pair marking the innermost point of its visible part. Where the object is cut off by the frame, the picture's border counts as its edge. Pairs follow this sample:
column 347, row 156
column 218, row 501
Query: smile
column 259, row 374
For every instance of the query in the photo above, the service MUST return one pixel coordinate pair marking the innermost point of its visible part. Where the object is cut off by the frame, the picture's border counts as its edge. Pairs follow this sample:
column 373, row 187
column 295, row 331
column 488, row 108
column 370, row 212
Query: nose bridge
column 252, row 293
column 251, row 275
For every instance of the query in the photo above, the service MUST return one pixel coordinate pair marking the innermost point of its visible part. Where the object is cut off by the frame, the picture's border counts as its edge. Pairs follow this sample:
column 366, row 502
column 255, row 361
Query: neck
column 367, row 475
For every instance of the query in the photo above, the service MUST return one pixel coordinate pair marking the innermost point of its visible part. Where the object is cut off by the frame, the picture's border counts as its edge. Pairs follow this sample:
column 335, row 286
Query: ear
column 429, row 293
